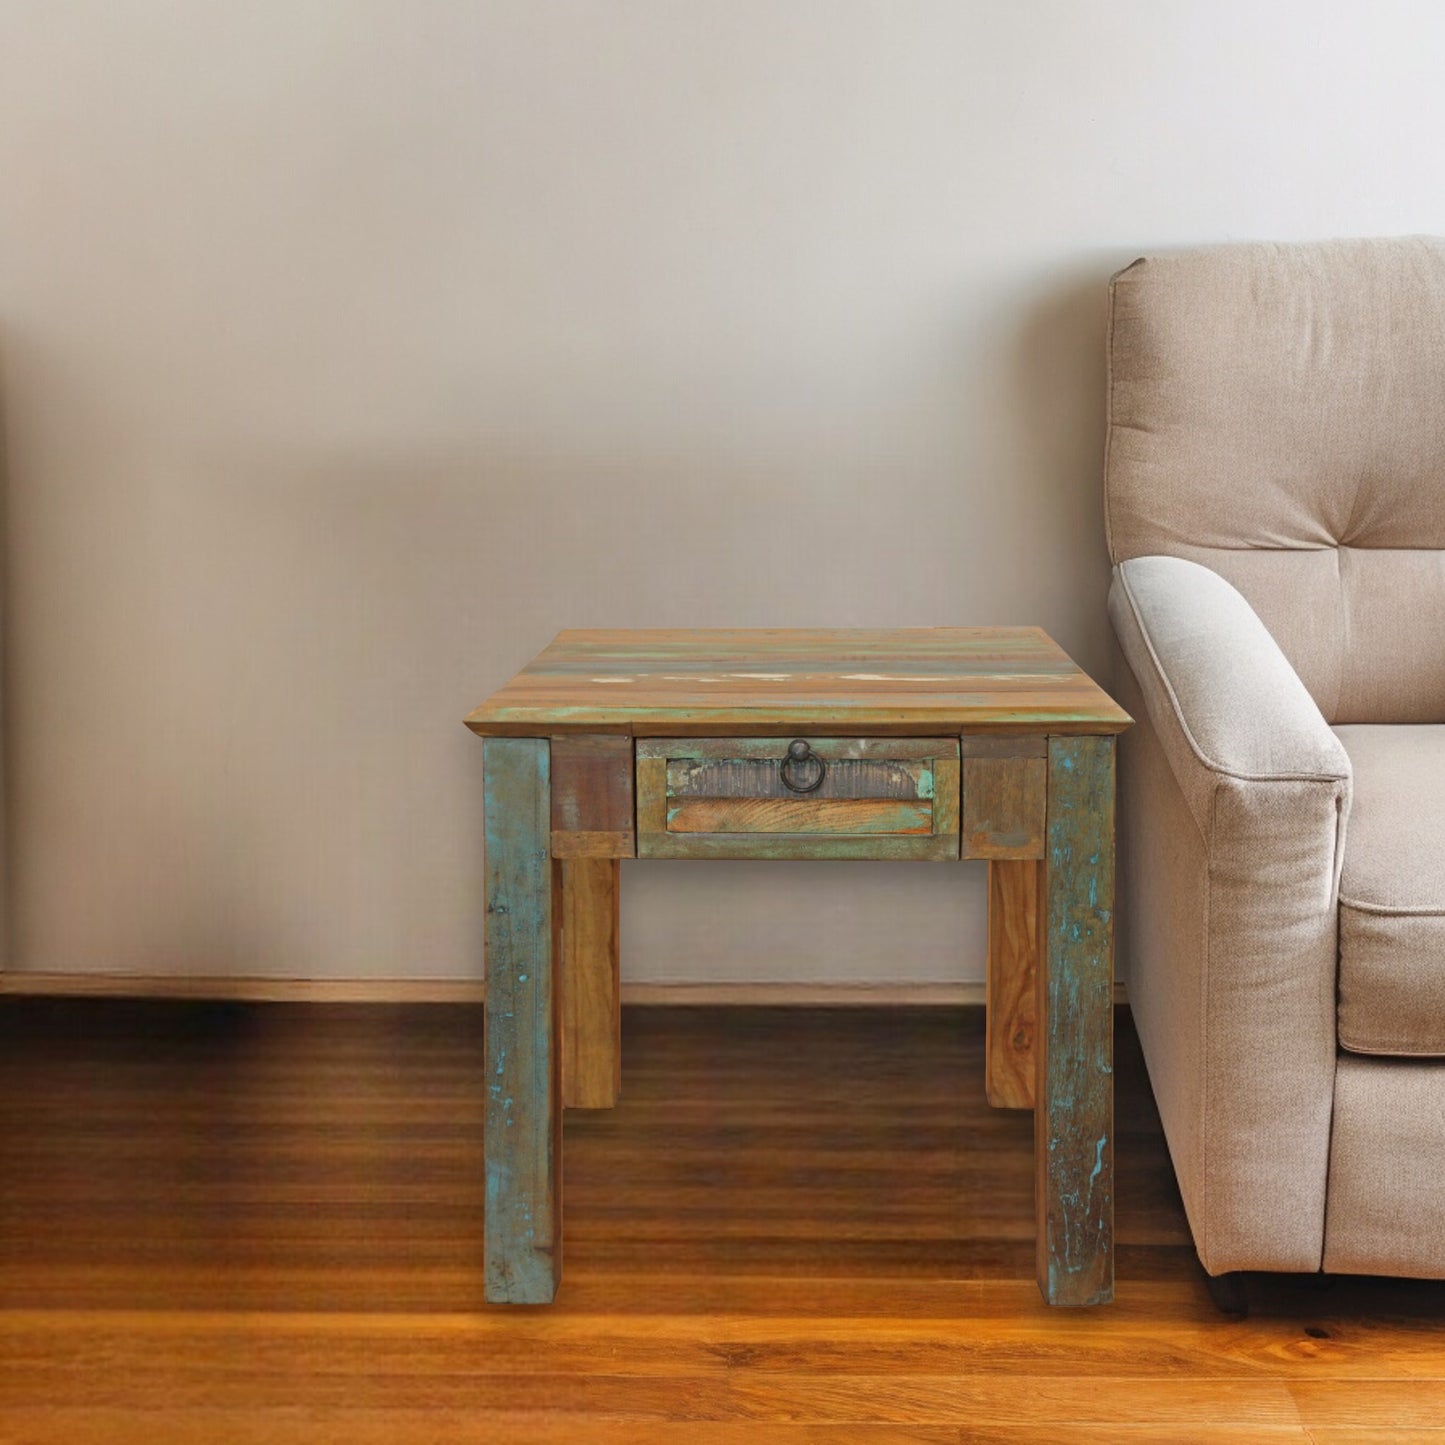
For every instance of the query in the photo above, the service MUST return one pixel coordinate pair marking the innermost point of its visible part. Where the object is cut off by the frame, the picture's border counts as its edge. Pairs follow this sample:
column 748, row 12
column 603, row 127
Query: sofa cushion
column 1274, row 413
column 1386, row 1211
column 1392, row 893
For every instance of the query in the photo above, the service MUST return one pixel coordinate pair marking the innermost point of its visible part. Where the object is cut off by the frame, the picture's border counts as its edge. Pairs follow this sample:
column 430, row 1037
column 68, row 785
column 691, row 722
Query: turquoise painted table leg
column 1074, row 1095
column 524, row 1099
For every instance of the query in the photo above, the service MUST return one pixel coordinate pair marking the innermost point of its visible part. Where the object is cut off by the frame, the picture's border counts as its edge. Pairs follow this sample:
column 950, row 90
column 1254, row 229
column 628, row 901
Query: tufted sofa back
column 1277, row 413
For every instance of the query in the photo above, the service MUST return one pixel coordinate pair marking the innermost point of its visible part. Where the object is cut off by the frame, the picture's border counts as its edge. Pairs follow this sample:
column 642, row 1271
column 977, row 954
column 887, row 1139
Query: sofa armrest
column 1222, row 696
column 1234, row 795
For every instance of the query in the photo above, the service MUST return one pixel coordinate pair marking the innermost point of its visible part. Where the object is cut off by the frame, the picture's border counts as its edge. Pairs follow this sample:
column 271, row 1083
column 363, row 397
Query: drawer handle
column 800, row 754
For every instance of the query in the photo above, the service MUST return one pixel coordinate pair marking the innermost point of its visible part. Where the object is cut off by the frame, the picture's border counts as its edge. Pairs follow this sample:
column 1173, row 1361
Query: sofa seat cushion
column 1386, row 1210
column 1392, row 893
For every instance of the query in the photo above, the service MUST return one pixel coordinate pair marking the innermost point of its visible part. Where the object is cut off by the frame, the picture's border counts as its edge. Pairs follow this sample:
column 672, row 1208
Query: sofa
column 1275, row 500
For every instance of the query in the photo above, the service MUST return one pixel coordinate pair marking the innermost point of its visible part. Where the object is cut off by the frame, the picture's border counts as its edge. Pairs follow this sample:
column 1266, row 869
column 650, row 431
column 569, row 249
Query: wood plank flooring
column 262, row 1222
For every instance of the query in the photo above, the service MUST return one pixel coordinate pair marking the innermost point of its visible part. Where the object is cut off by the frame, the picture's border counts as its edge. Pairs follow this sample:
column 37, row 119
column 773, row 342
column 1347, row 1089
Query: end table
column 934, row 744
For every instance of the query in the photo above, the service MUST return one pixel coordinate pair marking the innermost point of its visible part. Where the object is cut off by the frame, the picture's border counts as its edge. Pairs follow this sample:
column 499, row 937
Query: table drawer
column 797, row 798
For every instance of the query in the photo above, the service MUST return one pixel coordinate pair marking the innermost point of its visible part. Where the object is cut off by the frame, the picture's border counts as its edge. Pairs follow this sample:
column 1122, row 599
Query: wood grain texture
column 774, row 749
column 846, row 778
column 257, row 1224
column 1004, row 801
column 760, row 681
column 774, row 994
column 232, row 988
column 783, row 847
column 1074, row 1092
column 947, row 778
column 594, row 845
column 591, row 983
column 880, row 798
column 652, row 802
column 523, row 1234
column 1014, row 893
column 1010, row 745
column 798, row 815
column 420, row 1426
column 592, row 804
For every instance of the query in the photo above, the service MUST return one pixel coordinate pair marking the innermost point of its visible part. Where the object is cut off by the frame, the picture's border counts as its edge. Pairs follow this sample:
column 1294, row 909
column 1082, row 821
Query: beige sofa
column 1275, row 484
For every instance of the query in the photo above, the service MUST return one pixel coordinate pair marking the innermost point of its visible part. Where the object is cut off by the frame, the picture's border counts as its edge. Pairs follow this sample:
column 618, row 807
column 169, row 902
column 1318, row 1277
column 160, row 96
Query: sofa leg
column 1229, row 1293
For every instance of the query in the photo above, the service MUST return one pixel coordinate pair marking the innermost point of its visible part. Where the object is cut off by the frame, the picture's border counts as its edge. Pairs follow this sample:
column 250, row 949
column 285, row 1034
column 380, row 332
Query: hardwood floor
column 261, row 1222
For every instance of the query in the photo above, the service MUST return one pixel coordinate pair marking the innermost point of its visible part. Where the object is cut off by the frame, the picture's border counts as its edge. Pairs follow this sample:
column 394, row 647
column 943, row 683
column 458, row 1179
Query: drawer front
column 797, row 798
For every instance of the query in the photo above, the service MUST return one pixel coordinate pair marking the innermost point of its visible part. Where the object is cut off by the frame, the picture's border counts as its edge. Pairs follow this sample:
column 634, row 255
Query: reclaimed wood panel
column 1014, row 891
column 594, row 845
column 1009, row 745
column 1004, row 802
column 773, row 749
column 885, row 847
column 651, row 800
column 523, row 1225
column 946, row 805
column 1074, row 1103
column 924, row 827
column 591, row 984
column 798, row 815
column 768, row 681
column 592, row 804
column 762, row 778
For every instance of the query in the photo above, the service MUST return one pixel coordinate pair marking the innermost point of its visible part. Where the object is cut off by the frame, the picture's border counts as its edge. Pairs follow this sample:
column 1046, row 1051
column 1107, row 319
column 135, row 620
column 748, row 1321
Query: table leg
column 1013, row 947
column 524, row 1101
column 591, row 967
column 1074, row 1105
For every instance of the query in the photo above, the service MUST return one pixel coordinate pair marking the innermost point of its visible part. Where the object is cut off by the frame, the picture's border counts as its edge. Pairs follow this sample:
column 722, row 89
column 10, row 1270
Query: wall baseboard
column 241, row 989
column 440, row 990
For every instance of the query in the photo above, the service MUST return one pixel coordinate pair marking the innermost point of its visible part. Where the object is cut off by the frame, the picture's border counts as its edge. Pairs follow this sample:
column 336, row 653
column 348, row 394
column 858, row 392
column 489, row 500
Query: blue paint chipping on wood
column 523, row 1224
column 1074, row 1110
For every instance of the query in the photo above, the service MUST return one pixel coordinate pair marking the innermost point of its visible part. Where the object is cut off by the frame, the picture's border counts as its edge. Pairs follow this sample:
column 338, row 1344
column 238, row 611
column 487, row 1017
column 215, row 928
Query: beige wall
column 350, row 349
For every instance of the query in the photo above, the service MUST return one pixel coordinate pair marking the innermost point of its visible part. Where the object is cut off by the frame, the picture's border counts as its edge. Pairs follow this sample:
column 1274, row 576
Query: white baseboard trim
column 440, row 990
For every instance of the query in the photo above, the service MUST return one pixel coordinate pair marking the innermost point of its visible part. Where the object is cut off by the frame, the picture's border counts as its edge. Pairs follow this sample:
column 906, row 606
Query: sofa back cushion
column 1277, row 413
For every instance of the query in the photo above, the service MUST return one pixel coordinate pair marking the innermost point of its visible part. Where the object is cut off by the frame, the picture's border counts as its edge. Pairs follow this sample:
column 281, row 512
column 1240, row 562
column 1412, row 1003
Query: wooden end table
column 929, row 744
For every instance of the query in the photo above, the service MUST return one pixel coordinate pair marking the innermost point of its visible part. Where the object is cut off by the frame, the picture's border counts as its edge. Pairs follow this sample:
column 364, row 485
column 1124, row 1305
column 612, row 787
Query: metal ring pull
column 799, row 752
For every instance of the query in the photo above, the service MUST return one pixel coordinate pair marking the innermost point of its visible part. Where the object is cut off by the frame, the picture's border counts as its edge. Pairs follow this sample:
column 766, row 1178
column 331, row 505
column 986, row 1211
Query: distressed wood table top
column 988, row 679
